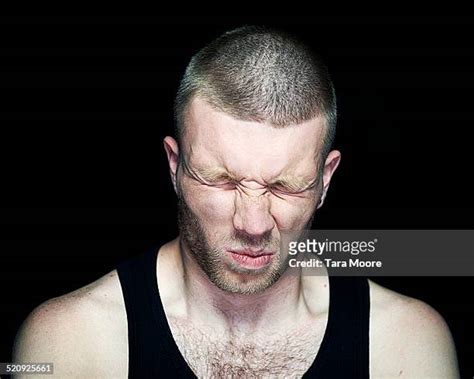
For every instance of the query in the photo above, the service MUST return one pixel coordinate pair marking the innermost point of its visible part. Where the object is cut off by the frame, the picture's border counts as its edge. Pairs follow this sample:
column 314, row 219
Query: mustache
column 247, row 241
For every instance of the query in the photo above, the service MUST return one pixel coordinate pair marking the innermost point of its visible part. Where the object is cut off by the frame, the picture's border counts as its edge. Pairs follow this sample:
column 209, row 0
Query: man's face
column 242, row 185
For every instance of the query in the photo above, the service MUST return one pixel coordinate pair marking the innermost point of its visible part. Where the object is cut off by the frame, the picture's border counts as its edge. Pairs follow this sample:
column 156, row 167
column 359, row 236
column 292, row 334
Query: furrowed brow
column 213, row 174
column 294, row 183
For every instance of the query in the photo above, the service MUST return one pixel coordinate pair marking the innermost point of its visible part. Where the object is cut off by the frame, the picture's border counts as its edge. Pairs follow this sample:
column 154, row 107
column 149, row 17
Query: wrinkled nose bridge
column 252, row 212
column 253, row 193
column 252, row 201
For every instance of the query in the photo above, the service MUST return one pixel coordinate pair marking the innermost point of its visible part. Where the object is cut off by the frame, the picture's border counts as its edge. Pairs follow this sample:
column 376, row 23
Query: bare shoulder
column 83, row 333
column 408, row 338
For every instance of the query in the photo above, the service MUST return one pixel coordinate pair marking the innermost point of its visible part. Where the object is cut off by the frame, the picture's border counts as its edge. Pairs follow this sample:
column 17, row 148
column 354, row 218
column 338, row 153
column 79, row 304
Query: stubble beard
column 227, row 277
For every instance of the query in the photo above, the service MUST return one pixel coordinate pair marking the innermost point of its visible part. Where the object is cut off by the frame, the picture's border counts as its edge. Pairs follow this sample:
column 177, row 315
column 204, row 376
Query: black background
column 85, row 104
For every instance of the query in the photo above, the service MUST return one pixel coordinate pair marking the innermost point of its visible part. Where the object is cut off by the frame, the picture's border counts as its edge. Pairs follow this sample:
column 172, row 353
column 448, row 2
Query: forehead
column 247, row 148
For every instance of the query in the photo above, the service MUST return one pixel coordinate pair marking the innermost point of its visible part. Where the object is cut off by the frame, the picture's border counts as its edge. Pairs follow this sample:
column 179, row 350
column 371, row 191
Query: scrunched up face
column 240, row 185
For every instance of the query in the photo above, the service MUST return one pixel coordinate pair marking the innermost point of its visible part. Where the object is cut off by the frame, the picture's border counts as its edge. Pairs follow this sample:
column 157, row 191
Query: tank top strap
column 152, row 349
column 344, row 352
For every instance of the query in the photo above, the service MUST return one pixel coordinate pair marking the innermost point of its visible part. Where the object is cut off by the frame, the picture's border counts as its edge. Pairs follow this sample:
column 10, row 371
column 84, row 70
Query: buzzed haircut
column 259, row 74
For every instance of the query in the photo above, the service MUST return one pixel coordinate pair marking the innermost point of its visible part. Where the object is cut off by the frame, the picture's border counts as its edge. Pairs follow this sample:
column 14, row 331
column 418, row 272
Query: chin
column 245, row 283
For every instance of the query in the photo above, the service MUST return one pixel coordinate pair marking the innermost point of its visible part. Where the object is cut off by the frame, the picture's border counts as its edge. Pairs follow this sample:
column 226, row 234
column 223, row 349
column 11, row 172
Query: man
column 255, row 116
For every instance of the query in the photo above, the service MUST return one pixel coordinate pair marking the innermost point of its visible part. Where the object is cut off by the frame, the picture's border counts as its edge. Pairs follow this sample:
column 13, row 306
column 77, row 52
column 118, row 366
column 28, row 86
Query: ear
column 330, row 166
column 172, row 152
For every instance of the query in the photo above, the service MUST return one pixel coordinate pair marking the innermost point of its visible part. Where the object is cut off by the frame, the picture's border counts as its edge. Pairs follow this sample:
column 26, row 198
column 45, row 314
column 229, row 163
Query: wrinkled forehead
column 248, row 148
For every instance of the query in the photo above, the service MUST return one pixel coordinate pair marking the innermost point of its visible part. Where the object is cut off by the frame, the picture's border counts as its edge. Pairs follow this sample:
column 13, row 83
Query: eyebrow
column 292, row 183
column 212, row 174
column 298, row 183
column 208, row 174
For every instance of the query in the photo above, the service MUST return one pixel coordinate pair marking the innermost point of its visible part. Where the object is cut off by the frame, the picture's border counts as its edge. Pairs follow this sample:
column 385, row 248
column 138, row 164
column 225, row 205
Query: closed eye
column 281, row 191
column 229, row 185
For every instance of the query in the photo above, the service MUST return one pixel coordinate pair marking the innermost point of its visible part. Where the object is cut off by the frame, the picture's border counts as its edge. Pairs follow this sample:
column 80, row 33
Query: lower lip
column 251, row 262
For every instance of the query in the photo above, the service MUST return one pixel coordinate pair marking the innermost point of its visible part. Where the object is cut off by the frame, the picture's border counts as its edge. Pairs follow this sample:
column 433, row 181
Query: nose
column 252, row 215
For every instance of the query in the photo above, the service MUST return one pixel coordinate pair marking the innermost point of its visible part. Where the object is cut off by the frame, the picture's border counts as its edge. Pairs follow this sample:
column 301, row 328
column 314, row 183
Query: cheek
column 293, row 214
column 212, row 206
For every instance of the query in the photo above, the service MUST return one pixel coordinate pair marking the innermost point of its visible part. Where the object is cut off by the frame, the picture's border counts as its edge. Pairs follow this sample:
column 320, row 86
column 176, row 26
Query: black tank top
column 153, row 353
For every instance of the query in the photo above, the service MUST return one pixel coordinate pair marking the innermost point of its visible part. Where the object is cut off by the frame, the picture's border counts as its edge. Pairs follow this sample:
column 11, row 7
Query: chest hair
column 286, row 354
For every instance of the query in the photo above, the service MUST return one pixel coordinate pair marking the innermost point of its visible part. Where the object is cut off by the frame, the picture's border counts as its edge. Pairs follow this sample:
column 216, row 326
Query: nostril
column 255, row 223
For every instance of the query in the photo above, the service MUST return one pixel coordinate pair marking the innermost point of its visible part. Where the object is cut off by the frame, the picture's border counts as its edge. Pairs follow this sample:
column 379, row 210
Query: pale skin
column 271, row 172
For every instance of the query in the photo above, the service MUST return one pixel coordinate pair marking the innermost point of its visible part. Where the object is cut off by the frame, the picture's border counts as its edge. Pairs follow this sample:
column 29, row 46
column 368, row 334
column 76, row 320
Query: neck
column 284, row 302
